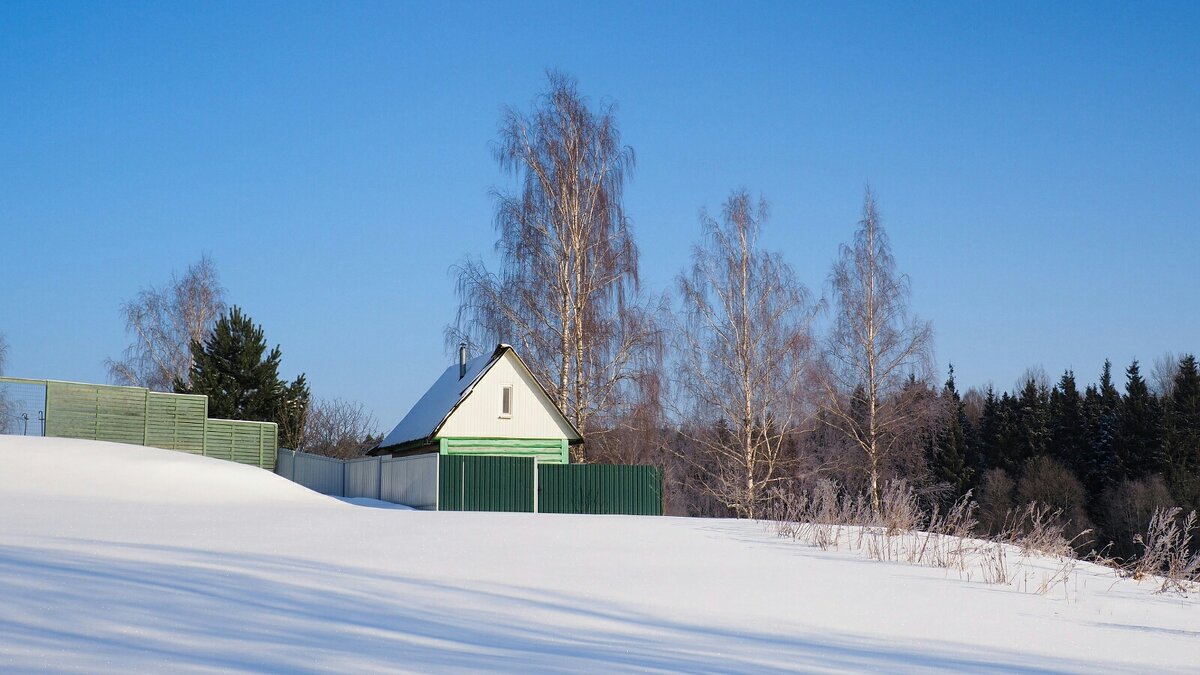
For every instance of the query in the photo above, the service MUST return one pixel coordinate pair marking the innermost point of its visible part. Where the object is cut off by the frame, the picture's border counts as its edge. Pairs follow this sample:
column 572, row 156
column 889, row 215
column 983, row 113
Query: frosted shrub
column 946, row 540
column 1037, row 529
column 994, row 558
column 898, row 508
column 826, row 517
column 1166, row 551
column 788, row 512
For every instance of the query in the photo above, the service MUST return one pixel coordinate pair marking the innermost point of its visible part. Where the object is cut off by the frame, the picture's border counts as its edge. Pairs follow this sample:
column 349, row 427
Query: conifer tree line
column 1107, row 455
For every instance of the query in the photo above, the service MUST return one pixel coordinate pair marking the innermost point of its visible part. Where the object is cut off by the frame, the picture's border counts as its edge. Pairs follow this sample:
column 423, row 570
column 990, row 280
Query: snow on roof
column 436, row 405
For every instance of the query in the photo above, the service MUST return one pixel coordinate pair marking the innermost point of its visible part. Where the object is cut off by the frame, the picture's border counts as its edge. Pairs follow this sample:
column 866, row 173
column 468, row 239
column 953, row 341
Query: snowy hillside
column 120, row 558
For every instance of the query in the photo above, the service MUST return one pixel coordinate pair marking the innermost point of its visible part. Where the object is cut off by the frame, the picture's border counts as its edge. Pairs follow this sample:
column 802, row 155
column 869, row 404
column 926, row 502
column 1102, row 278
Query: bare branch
column 164, row 323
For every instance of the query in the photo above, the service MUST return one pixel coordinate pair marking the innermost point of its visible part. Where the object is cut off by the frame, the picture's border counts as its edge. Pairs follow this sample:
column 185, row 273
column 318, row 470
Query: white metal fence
column 412, row 481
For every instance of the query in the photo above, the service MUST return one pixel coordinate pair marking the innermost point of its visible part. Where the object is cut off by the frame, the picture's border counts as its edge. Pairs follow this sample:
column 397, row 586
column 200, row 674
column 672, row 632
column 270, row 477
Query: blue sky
column 1037, row 165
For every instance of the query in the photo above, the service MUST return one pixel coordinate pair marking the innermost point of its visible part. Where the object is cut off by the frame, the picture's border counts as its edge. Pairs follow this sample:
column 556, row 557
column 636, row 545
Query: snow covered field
column 118, row 558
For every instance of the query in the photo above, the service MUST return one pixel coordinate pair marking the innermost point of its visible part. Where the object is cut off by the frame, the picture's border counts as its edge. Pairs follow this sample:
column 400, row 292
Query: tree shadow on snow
column 134, row 607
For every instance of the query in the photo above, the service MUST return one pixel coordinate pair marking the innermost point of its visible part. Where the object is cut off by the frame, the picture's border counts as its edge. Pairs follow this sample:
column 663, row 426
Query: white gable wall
column 533, row 415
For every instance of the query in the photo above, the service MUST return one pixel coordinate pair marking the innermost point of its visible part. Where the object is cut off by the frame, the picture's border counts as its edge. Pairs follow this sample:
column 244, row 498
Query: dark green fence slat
column 485, row 483
column 600, row 488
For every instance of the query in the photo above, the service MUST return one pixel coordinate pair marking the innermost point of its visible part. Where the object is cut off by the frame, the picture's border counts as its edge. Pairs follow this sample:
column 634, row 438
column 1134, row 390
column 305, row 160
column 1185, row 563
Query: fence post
column 145, row 417
column 379, row 484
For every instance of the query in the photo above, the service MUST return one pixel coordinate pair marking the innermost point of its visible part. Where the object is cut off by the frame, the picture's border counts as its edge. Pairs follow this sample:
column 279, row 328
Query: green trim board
column 545, row 450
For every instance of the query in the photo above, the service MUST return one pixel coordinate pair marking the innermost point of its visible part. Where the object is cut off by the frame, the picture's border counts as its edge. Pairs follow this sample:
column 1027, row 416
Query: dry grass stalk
column 1167, row 552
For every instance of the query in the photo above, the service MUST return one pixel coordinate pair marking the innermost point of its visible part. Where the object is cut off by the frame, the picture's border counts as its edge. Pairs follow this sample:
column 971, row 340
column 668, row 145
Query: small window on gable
column 506, row 400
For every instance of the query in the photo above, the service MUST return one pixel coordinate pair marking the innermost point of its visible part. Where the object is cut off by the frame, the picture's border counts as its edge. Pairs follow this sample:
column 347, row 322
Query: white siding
column 533, row 415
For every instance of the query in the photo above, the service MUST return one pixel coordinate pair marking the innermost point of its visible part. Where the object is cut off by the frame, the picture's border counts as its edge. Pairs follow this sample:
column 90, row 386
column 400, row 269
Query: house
column 489, row 405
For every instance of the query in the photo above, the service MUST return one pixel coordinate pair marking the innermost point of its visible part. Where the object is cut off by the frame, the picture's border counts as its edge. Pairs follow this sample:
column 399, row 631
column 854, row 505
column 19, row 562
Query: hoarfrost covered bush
column 1038, row 528
column 1167, row 553
column 901, row 530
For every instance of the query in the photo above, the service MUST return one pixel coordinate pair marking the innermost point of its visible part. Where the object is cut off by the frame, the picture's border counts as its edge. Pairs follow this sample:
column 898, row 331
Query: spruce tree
column 992, row 427
column 1139, row 435
column 1068, row 430
column 241, row 378
column 1032, row 425
column 1182, row 435
column 948, row 460
column 1102, row 409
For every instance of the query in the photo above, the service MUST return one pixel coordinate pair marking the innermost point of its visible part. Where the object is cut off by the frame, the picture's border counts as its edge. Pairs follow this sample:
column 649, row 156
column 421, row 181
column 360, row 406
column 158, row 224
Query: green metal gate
column 486, row 483
column 600, row 488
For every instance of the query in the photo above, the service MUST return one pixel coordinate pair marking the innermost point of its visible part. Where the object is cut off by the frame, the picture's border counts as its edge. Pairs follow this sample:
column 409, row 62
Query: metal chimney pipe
column 462, row 360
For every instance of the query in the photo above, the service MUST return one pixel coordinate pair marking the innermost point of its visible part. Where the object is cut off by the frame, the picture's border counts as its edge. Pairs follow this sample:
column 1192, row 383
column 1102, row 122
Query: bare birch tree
column 743, row 342
column 164, row 322
column 1162, row 375
column 4, row 404
column 569, row 268
column 873, row 349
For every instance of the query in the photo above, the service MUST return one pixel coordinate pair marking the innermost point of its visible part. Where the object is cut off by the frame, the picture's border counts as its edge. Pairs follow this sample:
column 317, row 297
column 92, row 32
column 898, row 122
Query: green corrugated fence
column 600, row 488
column 142, row 417
column 487, row 483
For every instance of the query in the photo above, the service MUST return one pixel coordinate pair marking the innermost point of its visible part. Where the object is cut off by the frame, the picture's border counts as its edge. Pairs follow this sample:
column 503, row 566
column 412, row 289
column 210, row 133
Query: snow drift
column 119, row 558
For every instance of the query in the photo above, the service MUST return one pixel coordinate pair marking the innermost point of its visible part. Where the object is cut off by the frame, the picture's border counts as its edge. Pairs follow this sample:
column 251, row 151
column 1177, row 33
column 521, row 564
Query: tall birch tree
column 4, row 404
column 743, row 342
column 568, row 275
column 164, row 322
column 873, row 349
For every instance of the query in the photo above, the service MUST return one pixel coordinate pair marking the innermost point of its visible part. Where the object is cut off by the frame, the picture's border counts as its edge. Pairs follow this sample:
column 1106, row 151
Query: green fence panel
column 486, row 483
column 268, row 445
column 141, row 417
column 600, row 488
column 96, row 412
column 241, row 441
column 176, row 421
column 218, row 439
